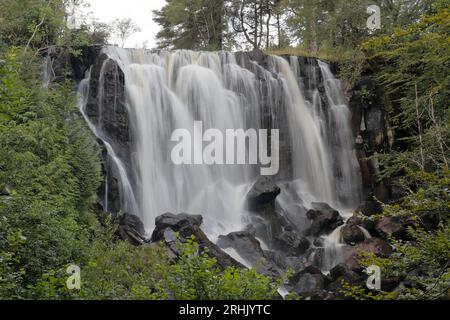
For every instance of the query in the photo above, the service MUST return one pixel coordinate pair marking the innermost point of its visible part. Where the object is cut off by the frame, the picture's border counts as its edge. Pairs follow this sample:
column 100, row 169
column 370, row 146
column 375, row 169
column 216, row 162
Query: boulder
column 429, row 220
column 324, row 219
column 263, row 192
column 370, row 207
column 171, row 228
column 132, row 229
column 291, row 243
column 341, row 274
column 390, row 227
column 373, row 245
column 378, row 246
column 352, row 234
column 359, row 221
column 295, row 214
column 175, row 222
column 308, row 283
column 249, row 249
column 245, row 244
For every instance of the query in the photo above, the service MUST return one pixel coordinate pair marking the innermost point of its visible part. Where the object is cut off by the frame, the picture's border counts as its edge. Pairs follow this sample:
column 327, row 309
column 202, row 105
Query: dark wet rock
column 324, row 219
column 429, row 220
column 106, row 105
column 263, row 192
column 389, row 284
column 370, row 207
column 175, row 222
column 187, row 226
column 319, row 242
column 259, row 227
column 352, row 234
column 309, row 268
column 354, row 221
column 249, row 249
column 295, row 215
column 308, row 283
column 285, row 262
column 132, row 229
column 341, row 274
column 390, row 227
column 378, row 246
column 245, row 244
column 373, row 245
column 4, row 190
column 357, row 220
column 291, row 243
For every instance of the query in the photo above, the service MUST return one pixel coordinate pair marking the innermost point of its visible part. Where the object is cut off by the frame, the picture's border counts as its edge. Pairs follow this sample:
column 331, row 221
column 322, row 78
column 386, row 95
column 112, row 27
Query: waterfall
column 165, row 91
column 347, row 175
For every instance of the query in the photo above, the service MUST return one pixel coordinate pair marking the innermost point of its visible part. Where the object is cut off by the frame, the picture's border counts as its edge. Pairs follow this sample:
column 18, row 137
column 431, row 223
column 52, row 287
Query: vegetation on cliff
column 50, row 164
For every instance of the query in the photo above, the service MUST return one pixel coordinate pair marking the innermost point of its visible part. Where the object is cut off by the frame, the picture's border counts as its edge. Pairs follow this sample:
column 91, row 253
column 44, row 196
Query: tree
column 123, row 29
column 342, row 24
column 252, row 18
column 191, row 24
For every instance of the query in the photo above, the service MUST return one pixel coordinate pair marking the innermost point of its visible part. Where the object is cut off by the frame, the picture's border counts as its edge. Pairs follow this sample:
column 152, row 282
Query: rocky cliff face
column 106, row 107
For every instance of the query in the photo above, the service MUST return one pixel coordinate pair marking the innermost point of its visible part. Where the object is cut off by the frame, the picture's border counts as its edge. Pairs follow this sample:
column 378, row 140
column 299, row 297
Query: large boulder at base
column 263, row 192
column 175, row 222
column 308, row 283
column 291, row 243
column 284, row 262
column 366, row 223
column 249, row 249
column 391, row 227
column 132, row 229
column 324, row 219
column 295, row 214
column 170, row 226
column 339, row 275
column 373, row 245
column 352, row 234
column 245, row 244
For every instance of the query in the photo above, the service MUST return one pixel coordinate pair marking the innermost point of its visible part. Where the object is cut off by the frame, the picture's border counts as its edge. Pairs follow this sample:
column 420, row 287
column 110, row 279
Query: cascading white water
column 170, row 90
column 310, row 158
column 126, row 189
column 347, row 175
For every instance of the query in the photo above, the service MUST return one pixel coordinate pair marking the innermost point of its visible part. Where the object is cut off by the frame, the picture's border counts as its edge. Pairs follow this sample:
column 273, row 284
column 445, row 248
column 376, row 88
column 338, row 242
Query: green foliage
column 423, row 266
column 410, row 65
column 41, row 24
column 422, row 262
column 115, row 269
column 190, row 24
column 196, row 276
column 49, row 172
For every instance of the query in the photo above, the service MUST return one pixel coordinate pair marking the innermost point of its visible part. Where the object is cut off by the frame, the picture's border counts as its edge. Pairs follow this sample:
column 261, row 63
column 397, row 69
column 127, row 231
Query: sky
column 138, row 10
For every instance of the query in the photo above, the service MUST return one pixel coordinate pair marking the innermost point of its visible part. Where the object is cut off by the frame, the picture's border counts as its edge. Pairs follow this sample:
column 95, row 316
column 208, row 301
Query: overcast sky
column 138, row 10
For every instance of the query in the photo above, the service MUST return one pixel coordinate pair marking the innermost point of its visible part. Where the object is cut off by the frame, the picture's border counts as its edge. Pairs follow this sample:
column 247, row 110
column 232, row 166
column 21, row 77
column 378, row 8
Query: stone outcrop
column 171, row 228
column 352, row 234
column 132, row 229
column 373, row 245
column 249, row 249
column 324, row 219
column 263, row 192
